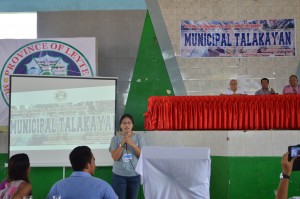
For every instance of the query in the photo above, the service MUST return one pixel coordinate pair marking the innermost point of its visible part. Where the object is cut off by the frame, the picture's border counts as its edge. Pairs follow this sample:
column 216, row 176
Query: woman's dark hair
column 128, row 116
column 79, row 157
column 18, row 166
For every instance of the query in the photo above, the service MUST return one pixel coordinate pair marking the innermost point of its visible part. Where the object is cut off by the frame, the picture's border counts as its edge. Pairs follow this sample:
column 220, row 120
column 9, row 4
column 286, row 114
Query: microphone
column 126, row 146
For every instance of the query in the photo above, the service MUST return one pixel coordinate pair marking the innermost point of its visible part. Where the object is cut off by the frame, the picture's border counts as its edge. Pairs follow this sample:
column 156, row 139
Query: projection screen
column 51, row 115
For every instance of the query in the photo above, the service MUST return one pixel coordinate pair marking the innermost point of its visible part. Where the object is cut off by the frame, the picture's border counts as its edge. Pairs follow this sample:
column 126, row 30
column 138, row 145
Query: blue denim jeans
column 126, row 187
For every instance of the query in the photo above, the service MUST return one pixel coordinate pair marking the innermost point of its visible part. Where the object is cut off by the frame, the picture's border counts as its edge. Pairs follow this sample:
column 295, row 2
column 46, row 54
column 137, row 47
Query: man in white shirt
column 234, row 90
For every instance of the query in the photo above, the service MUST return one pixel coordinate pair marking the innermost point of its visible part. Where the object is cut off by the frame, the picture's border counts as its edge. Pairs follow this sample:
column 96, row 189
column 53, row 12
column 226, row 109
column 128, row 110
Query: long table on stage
column 239, row 112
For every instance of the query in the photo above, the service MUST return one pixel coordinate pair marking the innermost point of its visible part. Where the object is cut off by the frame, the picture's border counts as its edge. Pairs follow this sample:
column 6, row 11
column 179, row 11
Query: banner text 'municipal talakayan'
column 240, row 39
column 67, row 124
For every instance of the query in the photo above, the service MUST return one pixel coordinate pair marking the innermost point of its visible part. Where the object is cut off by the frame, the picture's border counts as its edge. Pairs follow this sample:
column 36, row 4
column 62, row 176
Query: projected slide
column 51, row 116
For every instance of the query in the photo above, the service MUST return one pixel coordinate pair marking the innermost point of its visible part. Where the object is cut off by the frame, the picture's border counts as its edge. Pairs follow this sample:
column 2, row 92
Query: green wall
column 231, row 177
column 258, row 177
column 219, row 178
column 3, row 159
column 150, row 76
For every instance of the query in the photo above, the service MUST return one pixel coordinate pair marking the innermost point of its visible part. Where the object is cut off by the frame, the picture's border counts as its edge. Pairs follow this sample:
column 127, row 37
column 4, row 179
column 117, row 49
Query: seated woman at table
column 17, row 184
column 233, row 89
column 293, row 87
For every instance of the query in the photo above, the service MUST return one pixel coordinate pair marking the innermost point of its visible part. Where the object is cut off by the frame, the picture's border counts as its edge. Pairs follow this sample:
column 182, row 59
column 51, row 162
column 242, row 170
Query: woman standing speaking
column 125, row 149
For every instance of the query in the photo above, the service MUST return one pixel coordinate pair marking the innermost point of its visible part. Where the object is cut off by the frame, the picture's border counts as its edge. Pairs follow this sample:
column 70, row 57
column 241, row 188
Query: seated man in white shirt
column 234, row 90
column 265, row 88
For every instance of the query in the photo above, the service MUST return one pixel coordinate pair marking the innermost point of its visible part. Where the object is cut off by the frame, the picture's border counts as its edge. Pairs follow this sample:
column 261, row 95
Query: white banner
column 54, row 56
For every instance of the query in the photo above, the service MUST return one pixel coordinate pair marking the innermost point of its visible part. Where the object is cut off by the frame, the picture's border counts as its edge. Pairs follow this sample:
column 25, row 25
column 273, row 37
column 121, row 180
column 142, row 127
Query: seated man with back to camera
column 265, row 90
column 293, row 87
column 233, row 89
column 81, row 184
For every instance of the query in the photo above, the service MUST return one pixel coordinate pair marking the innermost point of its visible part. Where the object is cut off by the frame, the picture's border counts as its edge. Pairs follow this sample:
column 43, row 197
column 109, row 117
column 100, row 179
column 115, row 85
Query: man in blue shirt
column 81, row 184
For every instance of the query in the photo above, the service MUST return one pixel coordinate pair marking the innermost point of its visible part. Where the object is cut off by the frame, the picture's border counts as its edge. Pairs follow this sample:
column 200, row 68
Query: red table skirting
column 240, row 112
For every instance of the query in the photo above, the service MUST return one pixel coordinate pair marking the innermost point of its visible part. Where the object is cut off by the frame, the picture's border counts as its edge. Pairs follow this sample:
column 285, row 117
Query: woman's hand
column 129, row 141
column 123, row 141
